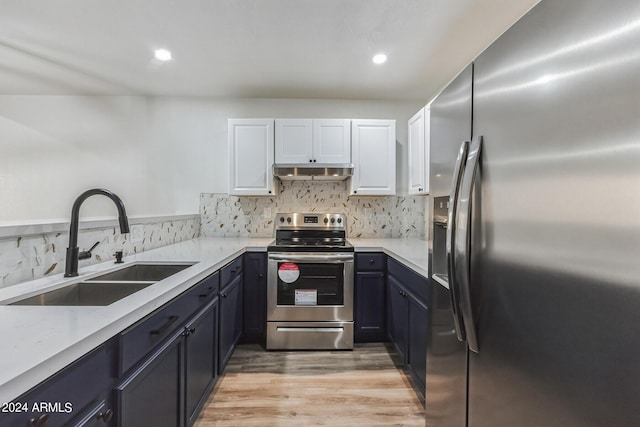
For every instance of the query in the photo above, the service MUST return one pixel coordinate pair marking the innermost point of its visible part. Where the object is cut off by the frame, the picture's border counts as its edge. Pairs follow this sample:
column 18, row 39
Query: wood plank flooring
column 363, row 387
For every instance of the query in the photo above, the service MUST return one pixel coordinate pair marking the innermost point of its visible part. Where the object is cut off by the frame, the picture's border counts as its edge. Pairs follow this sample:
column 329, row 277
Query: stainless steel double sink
column 107, row 288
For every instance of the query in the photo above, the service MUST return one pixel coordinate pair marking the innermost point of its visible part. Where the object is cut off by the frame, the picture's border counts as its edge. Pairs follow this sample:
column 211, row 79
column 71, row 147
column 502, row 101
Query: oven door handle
column 315, row 257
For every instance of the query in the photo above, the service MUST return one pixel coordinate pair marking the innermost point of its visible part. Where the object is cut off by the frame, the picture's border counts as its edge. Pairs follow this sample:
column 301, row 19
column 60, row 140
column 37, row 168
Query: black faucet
column 73, row 252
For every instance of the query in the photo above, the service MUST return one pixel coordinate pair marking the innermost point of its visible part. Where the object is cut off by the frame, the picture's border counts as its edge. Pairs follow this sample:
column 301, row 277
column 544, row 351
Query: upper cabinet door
column 294, row 141
column 373, row 145
column 419, row 152
column 332, row 141
column 251, row 157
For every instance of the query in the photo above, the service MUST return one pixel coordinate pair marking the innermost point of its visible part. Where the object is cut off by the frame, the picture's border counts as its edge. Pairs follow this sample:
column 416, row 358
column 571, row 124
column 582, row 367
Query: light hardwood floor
column 363, row 387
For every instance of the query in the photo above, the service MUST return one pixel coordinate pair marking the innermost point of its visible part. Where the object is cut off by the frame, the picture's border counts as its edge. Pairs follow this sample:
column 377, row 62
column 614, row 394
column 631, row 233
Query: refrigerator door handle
column 452, row 214
column 462, row 249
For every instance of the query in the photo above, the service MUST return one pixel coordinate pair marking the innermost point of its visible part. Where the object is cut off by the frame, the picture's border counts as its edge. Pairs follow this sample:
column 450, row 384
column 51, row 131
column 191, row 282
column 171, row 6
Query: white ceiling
column 245, row 48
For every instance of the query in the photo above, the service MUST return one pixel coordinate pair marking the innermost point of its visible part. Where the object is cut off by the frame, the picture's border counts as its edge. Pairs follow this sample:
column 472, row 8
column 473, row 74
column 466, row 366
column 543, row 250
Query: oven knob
column 289, row 219
column 339, row 220
column 281, row 219
column 326, row 220
column 333, row 220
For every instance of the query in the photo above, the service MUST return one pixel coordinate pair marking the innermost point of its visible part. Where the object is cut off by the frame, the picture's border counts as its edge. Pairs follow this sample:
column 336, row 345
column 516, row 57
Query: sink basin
column 106, row 288
column 141, row 273
column 85, row 293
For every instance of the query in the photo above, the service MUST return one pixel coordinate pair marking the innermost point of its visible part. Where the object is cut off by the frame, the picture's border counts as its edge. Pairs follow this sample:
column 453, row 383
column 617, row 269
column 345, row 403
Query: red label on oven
column 288, row 272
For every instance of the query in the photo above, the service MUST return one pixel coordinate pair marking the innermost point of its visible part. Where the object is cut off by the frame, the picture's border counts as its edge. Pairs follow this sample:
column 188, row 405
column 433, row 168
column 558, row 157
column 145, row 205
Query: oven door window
column 310, row 284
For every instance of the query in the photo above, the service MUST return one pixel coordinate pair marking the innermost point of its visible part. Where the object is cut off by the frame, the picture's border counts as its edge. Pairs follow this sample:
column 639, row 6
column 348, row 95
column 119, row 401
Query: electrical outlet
column 266, row 213
column 137, row 233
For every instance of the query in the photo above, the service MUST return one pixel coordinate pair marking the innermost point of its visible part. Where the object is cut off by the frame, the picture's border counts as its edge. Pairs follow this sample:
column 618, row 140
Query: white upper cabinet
column 373, row 145
column 294, row 141
column 332, row 141
column 304, row 141
column 251, row 157
column 419, row 152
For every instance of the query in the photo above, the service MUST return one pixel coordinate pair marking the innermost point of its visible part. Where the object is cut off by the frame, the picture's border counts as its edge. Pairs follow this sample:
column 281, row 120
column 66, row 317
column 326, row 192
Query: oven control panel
column 334, row 221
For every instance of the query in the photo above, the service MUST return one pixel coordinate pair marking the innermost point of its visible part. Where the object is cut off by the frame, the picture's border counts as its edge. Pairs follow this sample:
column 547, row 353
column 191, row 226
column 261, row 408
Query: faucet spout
column 71, row 267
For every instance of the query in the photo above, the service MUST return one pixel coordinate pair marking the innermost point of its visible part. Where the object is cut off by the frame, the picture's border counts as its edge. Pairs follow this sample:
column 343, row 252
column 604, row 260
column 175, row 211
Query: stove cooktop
column 310, row 232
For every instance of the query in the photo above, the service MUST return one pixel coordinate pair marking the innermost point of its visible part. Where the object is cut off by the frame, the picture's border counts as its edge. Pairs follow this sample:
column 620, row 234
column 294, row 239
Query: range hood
column 316, row 172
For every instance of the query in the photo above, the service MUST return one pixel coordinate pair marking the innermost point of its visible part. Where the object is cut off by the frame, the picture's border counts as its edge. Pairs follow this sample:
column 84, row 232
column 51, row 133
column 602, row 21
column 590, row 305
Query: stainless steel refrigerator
column 535, row 236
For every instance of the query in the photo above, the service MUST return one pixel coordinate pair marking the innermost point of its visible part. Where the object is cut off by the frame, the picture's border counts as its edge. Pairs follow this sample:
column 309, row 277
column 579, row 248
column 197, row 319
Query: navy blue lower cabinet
column 408, row 318
column 370, row 307
column 255, row 297
column 200, row 359
column 397, row 316
column 151, row 395
column 230, row 326
column 67, row 397
column 417, row 343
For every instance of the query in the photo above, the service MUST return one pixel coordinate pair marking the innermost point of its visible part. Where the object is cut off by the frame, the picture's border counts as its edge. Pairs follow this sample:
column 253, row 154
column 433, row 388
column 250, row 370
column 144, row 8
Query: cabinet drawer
column 142, row 337
column 204, row 291
column 66, row 394
column 415, row 283
column 230, row 271
column 370, row 261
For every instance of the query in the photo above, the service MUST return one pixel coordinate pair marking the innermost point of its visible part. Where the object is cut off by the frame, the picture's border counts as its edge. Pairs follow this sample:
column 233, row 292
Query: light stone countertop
column 39, row 341
column 412, row 252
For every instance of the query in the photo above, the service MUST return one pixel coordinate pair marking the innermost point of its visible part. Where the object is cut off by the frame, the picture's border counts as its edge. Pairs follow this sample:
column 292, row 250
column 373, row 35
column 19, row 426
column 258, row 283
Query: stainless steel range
column 310, row 283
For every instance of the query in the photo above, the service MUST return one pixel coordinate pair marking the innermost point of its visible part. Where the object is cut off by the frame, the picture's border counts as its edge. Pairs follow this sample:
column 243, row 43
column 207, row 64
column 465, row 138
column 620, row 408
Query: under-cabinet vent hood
column 317, row 172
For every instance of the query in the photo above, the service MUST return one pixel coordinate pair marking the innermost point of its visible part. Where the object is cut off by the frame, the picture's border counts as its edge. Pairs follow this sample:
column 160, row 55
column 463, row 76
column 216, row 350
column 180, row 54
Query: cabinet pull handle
column 41, row 421
column 371, row 261
column 164, row 327
column 211, row 290
column 106, row 415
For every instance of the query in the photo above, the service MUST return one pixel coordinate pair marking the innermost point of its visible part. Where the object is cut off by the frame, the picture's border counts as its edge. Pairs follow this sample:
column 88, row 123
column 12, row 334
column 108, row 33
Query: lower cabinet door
column 254, row 296
column 417, row 342
column 151, row 395
column 397, row 317
column 230, row 321
column 369, row 307
column 200, row 355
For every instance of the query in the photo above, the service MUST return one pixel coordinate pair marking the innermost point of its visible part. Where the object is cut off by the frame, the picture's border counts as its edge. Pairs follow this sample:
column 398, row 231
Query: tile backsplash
column 383, row 216
column 30, row 257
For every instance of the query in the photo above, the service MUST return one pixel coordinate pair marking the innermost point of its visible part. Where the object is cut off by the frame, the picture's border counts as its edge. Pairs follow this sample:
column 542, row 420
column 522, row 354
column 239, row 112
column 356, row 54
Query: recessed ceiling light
column 162, row 54
column 380, row 58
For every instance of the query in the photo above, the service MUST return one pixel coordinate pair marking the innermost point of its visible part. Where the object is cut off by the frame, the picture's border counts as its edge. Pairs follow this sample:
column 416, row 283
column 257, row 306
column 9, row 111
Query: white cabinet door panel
column 416, row 139
column 374, row 157
column 332, row 141
column 251, row 157
column 293, row 141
